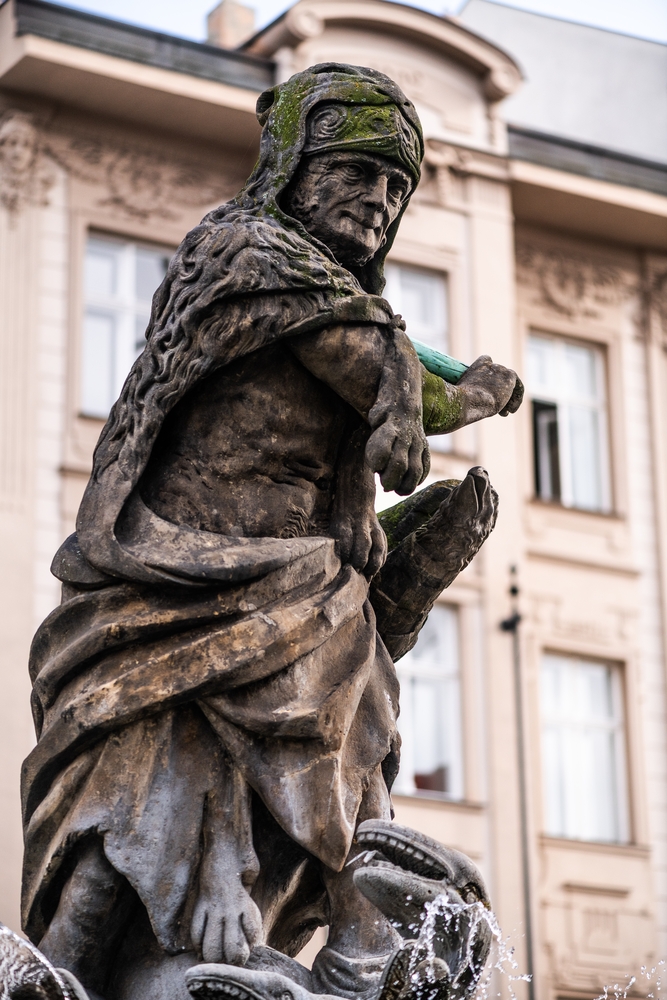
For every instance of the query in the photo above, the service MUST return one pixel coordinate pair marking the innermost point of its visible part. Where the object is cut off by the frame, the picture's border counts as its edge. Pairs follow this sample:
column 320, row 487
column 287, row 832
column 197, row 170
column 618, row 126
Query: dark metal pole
column 511, row 624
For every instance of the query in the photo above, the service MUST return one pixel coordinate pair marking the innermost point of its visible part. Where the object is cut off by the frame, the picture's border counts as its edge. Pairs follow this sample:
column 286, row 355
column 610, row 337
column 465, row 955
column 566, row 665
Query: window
column 119, row 282
column 420, row 297
column 566, row 382
column 430, row 719
column 583, row 748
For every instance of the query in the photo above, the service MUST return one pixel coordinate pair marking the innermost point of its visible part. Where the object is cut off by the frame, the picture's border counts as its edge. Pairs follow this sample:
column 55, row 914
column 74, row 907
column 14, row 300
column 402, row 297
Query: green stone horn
column 447, row 368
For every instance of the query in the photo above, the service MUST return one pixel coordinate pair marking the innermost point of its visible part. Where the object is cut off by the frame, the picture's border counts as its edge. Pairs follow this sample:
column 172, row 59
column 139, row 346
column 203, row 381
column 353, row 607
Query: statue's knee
column 94, row 883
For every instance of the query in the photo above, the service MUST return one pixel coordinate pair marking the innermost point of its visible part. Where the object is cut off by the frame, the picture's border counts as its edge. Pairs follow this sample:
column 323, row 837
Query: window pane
column 566, row 384
column 547, row 456
column 140, row 324
column 101, row 271
column 581, row 371
column 420, row 297
column 542, row 366
column 119, row 282
column 583, row 750
column 430, row 720
column 151, row 267
column 585, row 458
column 98, row 364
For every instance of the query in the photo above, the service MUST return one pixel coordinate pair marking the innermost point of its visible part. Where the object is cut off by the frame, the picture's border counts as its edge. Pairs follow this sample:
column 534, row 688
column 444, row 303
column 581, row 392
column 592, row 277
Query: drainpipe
column 511, row 625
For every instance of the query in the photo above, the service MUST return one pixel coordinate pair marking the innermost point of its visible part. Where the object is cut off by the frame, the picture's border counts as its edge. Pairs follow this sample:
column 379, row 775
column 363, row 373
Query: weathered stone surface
column 215, row 699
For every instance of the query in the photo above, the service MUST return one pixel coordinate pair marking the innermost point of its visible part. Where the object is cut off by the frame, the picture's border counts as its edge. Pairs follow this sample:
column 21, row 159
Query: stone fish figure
column 215, row 698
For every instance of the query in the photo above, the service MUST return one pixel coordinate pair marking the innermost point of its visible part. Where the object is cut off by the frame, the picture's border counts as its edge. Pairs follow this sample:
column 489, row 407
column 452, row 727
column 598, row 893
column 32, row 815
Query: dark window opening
column 436, row 781
column 547, row 459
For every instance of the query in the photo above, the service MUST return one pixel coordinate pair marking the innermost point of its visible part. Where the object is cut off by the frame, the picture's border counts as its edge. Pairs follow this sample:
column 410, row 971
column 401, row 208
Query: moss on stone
column 441, row 404
column 413, row 513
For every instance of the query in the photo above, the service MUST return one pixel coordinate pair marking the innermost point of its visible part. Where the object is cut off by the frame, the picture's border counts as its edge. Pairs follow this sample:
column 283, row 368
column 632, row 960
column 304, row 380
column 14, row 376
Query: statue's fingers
column 379, row 447
column 425, row 460
column 235, row 945
column 198, row 926
column 419, row 462
column 361, row 547
column 392, row 475
column 481, row 362
column 515, row 400
column 345, row 538
column 378, row 553
column 251, row 922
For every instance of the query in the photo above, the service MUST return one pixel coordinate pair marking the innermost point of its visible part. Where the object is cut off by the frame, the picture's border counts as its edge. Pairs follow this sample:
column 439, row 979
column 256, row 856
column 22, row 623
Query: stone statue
column 215, row 698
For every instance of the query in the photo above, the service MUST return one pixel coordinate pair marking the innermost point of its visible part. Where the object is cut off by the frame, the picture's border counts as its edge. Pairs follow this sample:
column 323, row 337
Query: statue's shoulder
column 253, row 252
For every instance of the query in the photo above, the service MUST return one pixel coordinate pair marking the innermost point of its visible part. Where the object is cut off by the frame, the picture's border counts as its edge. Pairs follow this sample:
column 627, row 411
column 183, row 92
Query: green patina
column 441, row 403
column 411, row 514
column 283, row 113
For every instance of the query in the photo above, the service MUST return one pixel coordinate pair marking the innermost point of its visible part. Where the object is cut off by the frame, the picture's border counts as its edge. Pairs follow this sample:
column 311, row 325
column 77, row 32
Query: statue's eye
column 469, row 893
column 397, row 188
column 352, row 172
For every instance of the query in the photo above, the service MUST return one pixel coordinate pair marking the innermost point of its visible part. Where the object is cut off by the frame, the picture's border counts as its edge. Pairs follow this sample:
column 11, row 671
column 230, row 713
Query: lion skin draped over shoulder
column 239, row 281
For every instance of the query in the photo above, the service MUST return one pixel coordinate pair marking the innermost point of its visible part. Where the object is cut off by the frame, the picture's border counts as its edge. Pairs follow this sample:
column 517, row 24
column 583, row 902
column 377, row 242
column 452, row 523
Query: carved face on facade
column 25, row 175
column 348, row 200
column 18, row 143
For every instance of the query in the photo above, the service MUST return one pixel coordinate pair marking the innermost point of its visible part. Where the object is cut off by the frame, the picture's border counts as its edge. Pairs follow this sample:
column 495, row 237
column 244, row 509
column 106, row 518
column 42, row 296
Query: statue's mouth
column 397, row 857
column 222, row 987
column 396, row 847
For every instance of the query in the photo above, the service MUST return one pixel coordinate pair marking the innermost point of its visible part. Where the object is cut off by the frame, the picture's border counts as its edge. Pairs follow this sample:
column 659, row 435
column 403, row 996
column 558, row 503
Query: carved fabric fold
column 281, row 675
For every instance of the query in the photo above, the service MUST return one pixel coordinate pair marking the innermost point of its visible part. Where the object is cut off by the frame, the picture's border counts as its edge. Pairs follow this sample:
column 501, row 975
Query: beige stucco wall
column 590, row 584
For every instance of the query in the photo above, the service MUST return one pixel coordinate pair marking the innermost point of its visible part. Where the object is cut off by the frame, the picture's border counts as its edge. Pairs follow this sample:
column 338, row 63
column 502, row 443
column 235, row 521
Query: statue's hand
column 397, row 448
column 361, row 540
column 225, row 929
column 488, row 389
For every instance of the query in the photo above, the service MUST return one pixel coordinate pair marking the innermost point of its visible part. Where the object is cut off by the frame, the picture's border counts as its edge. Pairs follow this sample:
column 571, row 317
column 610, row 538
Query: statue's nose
column 375, row 195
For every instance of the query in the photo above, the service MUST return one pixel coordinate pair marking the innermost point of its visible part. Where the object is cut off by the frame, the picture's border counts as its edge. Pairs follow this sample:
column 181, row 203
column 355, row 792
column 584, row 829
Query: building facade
column 547, row 250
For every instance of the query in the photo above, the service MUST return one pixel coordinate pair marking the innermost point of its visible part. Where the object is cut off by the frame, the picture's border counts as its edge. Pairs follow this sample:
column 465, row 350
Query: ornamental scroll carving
column 26, row 175
column 138, row 182
column 573, row 284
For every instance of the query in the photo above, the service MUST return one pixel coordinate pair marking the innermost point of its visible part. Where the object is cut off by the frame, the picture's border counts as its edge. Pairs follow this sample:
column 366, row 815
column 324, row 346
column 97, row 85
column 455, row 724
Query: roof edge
column 308, row 18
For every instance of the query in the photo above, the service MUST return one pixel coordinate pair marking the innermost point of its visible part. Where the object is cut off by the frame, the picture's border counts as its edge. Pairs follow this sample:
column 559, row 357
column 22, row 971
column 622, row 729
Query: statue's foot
column 432, row 893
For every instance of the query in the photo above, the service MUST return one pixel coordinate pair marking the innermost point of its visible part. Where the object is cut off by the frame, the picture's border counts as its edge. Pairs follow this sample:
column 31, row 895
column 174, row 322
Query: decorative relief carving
column 141, row 183
column 657, row 299
column 573, row 284
column 452, row 165
column 26, row 175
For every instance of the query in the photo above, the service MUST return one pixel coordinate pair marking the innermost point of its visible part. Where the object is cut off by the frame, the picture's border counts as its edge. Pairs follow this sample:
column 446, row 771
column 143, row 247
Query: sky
column 645, row 18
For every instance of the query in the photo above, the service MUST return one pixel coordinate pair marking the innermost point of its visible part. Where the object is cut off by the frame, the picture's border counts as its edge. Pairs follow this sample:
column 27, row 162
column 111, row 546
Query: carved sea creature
column 436, row 899
column 25, row 974
column 434, row 896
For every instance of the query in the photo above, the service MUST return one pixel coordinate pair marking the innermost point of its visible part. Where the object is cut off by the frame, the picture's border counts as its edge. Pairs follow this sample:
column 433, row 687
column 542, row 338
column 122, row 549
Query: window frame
column 625, row 772
column 128, row 309
column 404, row 675
column 602, row 353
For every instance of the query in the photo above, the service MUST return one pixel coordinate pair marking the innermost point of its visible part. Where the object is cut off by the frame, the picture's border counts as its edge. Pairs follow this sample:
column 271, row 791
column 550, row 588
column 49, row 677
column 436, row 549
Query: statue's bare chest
column 250, row 450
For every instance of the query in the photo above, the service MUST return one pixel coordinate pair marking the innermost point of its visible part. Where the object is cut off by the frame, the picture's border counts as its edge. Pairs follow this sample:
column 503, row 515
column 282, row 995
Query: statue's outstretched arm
column 483, row 390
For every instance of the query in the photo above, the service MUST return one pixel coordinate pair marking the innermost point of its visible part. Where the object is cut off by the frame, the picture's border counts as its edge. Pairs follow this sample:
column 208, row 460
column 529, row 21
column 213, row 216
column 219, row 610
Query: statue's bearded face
column 348, row 201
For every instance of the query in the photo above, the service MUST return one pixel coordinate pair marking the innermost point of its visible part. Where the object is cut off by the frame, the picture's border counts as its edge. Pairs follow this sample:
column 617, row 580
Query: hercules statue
column 215, row 698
